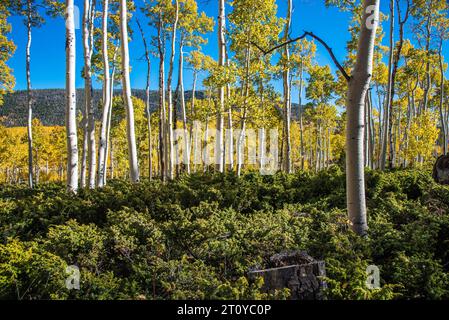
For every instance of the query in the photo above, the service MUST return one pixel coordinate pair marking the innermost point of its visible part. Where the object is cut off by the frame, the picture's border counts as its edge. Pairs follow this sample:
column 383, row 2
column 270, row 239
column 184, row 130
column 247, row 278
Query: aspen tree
column 126, row 88
column 102, row 152
column 71, row 132
column 88, row 16
column 355, row 106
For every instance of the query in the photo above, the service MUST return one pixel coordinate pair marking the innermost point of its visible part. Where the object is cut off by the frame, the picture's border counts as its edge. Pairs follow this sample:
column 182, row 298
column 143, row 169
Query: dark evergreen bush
column 197, row 237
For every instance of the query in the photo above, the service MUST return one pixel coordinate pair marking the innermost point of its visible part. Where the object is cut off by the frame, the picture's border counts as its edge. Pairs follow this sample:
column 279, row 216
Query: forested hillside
column 49, row 106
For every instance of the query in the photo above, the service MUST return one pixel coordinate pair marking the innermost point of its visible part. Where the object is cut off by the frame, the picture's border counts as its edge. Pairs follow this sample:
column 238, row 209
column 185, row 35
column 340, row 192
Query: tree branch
column 310, row 34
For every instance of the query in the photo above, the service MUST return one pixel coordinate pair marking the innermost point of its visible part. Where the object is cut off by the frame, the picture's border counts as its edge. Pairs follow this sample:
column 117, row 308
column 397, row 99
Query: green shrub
column 198, row 236
column 29, row 272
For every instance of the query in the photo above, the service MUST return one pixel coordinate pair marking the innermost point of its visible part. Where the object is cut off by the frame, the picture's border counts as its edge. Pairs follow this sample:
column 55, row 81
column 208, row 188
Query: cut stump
column 296, row 271
column 441, row 170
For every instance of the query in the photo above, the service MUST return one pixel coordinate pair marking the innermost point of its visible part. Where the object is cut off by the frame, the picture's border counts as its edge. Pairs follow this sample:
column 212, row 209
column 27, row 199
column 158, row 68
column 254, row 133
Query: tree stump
column 296, row 271
column 441, row 170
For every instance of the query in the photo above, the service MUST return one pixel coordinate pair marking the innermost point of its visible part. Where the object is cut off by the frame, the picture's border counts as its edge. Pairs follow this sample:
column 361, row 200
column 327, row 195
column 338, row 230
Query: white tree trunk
column 219, row 149
column 84, row 153
column 443, row 118
column 87, row 41
column 206, row 141
column 170, row 96
column 262, row 148
column 126, row 88
column 147, row 108
column 242, row 134
column 230, row 134
column 162, row 116
column 102, row 153
column 29, row 100
column 355, row 106
column 192, row 113
column 108, row 130
column 301, row 138
column 112, row 160
column 287, row 95
column 183, row 108
column 387, row 108
column 72, row 138
column 147, row 100
column 429, row 24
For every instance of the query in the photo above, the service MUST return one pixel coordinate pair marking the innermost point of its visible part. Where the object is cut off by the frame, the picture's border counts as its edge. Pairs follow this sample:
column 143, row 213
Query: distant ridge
column 49, row 105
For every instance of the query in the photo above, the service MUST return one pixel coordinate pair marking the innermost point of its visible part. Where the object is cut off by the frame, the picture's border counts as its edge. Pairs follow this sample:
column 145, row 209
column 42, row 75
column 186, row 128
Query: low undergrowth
column 197, row 237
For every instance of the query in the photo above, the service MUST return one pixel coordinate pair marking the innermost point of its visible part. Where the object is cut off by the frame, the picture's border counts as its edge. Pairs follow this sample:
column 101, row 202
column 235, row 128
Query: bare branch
column 265, row 52
column 310, row 34
column 147, row 53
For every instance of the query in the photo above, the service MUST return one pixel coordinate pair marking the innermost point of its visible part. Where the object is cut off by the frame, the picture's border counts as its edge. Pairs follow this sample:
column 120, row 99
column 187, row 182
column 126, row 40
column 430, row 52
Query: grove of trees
column 227, row 156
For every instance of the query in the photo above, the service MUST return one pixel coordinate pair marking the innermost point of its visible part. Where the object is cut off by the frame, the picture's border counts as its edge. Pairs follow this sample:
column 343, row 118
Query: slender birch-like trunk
column 409, row 117
column 398, row 133
column 372, row 134
column 286, row 84
column 147, row 100
column 91, row 124
column 29, row 99
column 148, row 110
column 112, row 159
column 84, row 153
column 170, row 95
column 428, row 77
column 379, row 127
column 241, row 142
column 126, row 84
column 328, row 149
column 183, row 106
column 108, row 129
column 102, row 153
column 442, row 115
column 230, row 134
column 72, row 136
column 219, row 149
column 301, row 127
column 397, row 57
column 355, row 106
column 37, row 169
column 206, row 150
column 176, row 150
column 262, row 146
column 241, row 137
column 319, row 147
column 192, row 100
column 204, row 143
column 230, row 146
column 162, row 116
column 387, row 108
column 89, row 8
column 390, row 129
column 192, row 113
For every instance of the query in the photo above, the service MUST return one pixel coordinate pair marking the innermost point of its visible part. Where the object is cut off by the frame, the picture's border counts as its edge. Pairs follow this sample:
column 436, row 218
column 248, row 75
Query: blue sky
column 48, row 52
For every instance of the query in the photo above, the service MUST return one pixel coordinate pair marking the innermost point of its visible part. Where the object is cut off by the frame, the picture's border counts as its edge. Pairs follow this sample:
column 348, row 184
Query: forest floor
column 197, row 237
